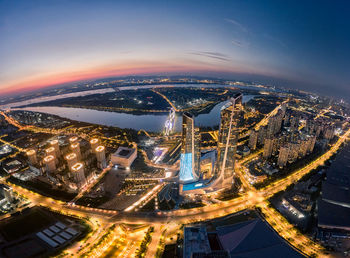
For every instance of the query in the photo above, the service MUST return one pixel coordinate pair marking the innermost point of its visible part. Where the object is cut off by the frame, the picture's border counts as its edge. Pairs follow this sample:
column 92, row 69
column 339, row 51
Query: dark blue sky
column 303, row 44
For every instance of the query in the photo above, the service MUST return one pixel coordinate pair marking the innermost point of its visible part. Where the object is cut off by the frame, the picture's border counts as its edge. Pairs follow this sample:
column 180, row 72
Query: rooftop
column 253, row 238
column 124, row 152
column 333, row 216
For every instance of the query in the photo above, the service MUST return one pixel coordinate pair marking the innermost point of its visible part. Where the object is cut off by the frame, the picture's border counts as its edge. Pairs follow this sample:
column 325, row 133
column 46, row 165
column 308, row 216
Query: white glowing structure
column 170, row 122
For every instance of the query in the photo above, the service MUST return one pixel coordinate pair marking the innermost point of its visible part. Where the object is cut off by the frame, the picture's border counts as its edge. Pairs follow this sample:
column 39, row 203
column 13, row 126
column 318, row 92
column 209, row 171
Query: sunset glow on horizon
column 56, row 42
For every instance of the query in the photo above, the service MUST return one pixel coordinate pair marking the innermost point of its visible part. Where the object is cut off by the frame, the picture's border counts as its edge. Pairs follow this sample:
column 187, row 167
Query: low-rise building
column 124, row 157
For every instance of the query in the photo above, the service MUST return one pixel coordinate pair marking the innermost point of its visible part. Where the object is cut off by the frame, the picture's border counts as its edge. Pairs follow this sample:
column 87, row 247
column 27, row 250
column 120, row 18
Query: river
column 148, row 122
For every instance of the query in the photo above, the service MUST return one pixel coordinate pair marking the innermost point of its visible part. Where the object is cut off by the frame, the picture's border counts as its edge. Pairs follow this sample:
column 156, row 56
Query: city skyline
column 174, row 128
column 277, row 43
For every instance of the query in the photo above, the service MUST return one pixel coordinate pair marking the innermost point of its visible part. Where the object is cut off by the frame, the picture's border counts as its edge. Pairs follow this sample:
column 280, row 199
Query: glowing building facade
column 32, row 157
column 75, row 147
column 101, row 156
column 50, row 151
column 71, row 159
column 50, row 163
column 94, row 143
column 55, row 144
column 73, row 139
column 79, row 174
column 190, row 153
column 227, row 141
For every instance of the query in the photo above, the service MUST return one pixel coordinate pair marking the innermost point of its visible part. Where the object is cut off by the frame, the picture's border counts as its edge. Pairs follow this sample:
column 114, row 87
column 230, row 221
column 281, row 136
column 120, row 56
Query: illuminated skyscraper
column 50, row 163
column 71, row 159
column 51, row 151
column 7, row 193
column 268, row 147
column 56, row 145
column 190, row 153
column 283, row 156
column 227, row 143
column 32, row 157
column 253, row 139
column 73, row 139
column 75, row 147
column 101, row 156
column 79, row 174
column 94, row 143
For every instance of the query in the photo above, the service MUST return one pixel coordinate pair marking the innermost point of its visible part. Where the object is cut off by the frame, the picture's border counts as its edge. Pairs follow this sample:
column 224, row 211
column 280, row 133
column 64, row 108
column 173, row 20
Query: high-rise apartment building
column 268, row 147
column 283, row 156
column 79, row 174
column 32, row 157
column 75, row 147
column 50, row 164
column 94, row 143
column 55, row 144
column 71, row 159
column 253, row 139
column 101, row 156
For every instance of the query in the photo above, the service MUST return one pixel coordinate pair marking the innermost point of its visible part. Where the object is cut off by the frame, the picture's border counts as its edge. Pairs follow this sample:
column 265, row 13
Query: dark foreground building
column 249, row 239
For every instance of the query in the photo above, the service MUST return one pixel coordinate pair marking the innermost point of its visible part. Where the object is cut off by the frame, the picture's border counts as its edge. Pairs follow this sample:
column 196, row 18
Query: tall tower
column 268, row 147
column 75, row 147
column 71, row 159
column 78, row 173
column 32, row 157
column 94, row 143
column 8, row 193
column 51, row 151
column 190, row 155
column 50, row 163
column 56, row 145
column 283, row 156
column 101, row 157
column 253, row 139
column 73, row 139
column 227, row 142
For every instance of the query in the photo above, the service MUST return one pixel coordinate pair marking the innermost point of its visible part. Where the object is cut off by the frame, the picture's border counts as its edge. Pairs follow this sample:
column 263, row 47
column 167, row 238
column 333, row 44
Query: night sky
column 301, row 44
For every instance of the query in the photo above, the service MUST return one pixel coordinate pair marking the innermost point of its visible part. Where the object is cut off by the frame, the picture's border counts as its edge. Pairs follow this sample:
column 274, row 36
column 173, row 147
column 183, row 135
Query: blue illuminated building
column 190, row 153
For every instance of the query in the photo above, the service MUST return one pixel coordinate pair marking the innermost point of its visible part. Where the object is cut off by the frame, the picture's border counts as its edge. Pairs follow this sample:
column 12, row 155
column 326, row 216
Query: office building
column 190, row 152
column 227, row 140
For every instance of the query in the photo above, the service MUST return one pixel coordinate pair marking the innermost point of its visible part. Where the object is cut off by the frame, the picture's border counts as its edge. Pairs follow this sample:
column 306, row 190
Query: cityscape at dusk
column 174, row 128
